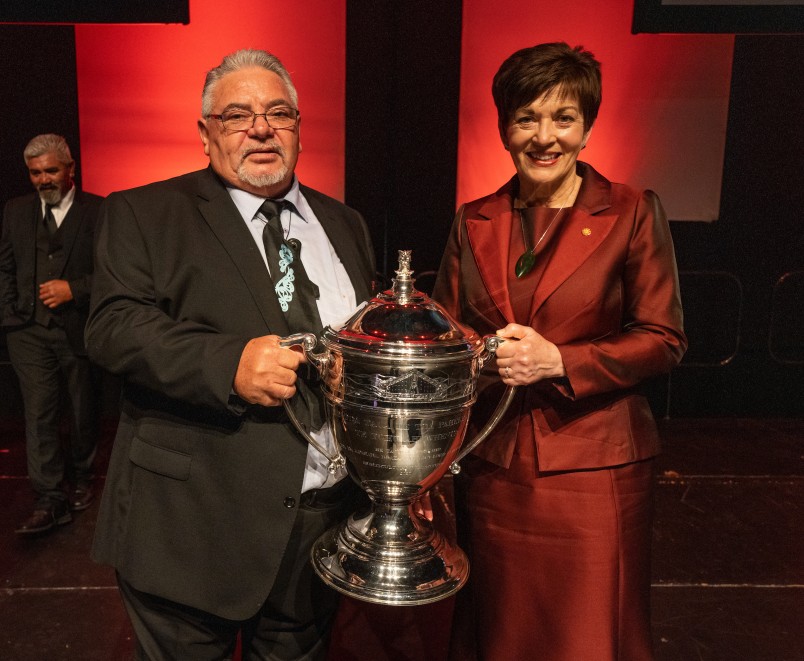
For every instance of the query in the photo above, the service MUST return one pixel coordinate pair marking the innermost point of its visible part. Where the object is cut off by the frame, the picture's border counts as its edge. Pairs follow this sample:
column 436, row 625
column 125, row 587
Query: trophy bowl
column 399, row 379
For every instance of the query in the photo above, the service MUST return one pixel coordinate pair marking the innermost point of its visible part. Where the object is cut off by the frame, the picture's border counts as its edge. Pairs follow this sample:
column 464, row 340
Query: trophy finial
column 403, row 282
column 404, row 262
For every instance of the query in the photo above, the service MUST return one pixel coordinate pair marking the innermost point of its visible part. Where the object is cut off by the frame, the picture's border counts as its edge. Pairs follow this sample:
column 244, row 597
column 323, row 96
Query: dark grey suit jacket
column 18, row 287
column 194, row 504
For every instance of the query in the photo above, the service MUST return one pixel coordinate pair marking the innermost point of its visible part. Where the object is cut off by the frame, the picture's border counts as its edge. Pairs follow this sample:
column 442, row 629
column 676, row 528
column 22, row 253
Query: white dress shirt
column 336, row 302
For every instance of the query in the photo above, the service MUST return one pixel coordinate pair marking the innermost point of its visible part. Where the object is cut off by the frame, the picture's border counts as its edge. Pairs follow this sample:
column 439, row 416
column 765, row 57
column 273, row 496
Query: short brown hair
column 531, row 72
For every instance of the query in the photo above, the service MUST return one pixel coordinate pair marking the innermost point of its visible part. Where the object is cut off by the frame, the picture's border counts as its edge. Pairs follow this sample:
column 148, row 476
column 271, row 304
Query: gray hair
column 244, row 59
column 46, row 143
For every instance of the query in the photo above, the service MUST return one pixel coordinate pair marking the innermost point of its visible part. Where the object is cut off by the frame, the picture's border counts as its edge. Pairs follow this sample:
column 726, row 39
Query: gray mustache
column 274, row 148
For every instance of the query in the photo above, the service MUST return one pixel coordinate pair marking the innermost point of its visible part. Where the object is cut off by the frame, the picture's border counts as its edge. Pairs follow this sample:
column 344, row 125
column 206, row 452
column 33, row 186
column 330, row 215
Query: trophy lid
column 403, row 320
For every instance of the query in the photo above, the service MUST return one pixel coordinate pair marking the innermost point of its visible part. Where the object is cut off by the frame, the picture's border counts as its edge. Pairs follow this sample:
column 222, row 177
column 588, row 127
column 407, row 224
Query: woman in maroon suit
column 580, row 273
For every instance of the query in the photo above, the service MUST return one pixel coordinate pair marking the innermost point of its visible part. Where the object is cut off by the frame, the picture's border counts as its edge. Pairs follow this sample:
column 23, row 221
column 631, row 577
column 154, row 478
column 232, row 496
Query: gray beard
column 51, row 196
column 262, row 180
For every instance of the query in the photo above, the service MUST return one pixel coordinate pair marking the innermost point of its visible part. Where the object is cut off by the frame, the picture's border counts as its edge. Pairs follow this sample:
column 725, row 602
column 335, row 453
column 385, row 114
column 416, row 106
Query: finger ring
column 507, row 372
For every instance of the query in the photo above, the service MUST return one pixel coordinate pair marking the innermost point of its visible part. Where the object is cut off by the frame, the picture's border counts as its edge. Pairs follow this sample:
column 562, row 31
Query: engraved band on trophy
column 399, row 379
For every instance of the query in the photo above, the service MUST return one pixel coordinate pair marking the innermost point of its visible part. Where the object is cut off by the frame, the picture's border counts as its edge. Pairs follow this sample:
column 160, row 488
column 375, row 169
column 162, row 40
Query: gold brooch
column 586, row 231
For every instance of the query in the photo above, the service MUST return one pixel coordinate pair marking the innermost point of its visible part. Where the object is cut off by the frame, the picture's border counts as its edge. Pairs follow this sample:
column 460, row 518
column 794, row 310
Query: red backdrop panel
column 662, row 124
column 139, row 88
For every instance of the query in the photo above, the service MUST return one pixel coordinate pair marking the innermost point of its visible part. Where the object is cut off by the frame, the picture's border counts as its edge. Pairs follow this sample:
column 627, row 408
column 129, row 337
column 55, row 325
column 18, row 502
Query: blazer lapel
column 579, row 237
column 489, row 237
column 223, row 218
column 583, row 231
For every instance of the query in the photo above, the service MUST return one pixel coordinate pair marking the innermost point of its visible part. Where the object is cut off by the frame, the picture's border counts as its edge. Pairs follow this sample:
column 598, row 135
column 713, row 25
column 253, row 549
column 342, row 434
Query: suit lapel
column 31, row 227
column 578, row 238
column 70, row 227
column 583, row 231
column 223, row 218
column 342, row 242
column 489, row 236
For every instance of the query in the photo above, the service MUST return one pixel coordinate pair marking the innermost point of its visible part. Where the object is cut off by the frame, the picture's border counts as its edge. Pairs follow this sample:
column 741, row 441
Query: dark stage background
column 742, row 276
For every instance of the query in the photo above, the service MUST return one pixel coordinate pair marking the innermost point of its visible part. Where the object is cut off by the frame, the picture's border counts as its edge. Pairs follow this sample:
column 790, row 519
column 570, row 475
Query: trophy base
column 390, row 557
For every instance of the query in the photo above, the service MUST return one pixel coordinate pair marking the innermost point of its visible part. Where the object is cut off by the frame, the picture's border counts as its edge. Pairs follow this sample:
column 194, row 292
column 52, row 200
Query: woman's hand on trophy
column 532, row 358
column 423, row 506
column 266, row 373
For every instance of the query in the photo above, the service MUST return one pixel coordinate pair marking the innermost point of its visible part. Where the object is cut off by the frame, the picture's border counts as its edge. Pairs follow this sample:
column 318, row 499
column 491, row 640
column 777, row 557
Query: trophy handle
column 307, row 341
column 492, row 343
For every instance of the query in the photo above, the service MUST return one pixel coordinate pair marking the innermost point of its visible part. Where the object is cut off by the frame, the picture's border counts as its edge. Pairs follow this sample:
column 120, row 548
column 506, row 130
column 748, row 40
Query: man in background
column 213, row 499
column 46, row 266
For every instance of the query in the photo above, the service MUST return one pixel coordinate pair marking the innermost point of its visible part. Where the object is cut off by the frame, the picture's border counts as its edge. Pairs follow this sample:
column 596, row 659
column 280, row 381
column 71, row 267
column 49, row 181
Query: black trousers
column 45, row 363
column 293, row 623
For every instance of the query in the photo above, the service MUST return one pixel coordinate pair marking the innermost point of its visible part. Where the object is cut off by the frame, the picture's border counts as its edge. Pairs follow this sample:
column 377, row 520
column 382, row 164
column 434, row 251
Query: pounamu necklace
column 527, row 260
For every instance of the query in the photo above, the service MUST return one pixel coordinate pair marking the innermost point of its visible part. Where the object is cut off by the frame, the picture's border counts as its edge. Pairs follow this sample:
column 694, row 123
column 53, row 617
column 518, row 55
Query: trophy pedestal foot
column 359, row 559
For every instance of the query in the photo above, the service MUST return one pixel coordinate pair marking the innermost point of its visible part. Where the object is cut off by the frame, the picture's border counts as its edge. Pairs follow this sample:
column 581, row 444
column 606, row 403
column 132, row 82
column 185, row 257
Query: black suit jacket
column 18, row 287
column 194, row 507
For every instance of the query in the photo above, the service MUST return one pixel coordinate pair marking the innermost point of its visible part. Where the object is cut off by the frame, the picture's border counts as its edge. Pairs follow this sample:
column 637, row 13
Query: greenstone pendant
column 525, row 264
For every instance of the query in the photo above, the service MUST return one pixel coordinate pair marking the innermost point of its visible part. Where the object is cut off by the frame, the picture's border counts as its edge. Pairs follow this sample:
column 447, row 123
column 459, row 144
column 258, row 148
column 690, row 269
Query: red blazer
column 608, row 298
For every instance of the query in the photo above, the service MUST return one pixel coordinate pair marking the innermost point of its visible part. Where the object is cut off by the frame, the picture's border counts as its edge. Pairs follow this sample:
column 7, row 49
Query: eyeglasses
column 238, row 119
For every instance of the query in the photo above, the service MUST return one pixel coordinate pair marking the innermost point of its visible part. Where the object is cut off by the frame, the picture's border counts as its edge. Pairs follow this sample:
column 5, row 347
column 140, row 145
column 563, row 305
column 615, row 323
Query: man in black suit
column 213, row 500
column 45, row 281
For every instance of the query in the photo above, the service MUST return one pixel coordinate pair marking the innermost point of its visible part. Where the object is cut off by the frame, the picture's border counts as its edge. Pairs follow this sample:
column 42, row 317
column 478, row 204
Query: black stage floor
column 728, row 575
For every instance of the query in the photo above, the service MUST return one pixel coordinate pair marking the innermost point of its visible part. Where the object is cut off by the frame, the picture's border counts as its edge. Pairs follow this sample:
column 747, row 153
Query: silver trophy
column 399, row 379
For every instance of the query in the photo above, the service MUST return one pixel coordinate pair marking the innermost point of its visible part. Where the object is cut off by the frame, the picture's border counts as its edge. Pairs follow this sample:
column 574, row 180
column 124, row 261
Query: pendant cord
column 541, row 238
column 290, row 224
column 527, row 260
column 544, row 234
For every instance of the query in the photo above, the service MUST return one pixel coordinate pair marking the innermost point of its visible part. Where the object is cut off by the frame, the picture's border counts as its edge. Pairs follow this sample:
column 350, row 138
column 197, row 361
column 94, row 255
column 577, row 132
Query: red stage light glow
column 139, row 88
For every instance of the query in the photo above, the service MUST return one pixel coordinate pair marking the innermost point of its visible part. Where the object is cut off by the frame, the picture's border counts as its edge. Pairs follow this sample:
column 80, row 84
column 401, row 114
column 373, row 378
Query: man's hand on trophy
column 266, row 373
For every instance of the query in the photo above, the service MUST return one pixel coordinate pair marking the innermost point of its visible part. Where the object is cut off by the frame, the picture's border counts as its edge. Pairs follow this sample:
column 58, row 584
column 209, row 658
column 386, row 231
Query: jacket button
column 289, row 502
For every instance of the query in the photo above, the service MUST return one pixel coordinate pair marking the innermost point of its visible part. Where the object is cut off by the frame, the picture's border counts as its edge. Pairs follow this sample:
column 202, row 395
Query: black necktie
column 297, row 297
column 50, row 220
column 296, row 293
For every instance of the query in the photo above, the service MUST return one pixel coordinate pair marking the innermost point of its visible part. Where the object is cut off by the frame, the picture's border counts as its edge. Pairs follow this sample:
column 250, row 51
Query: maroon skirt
column 560, row 562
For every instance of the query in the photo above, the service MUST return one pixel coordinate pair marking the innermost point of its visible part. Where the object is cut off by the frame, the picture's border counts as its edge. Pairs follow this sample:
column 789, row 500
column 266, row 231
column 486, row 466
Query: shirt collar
column 249, row 204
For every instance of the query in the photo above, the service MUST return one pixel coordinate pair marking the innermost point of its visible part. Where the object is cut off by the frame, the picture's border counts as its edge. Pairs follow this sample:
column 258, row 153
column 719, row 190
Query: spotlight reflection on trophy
column 399, row 379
